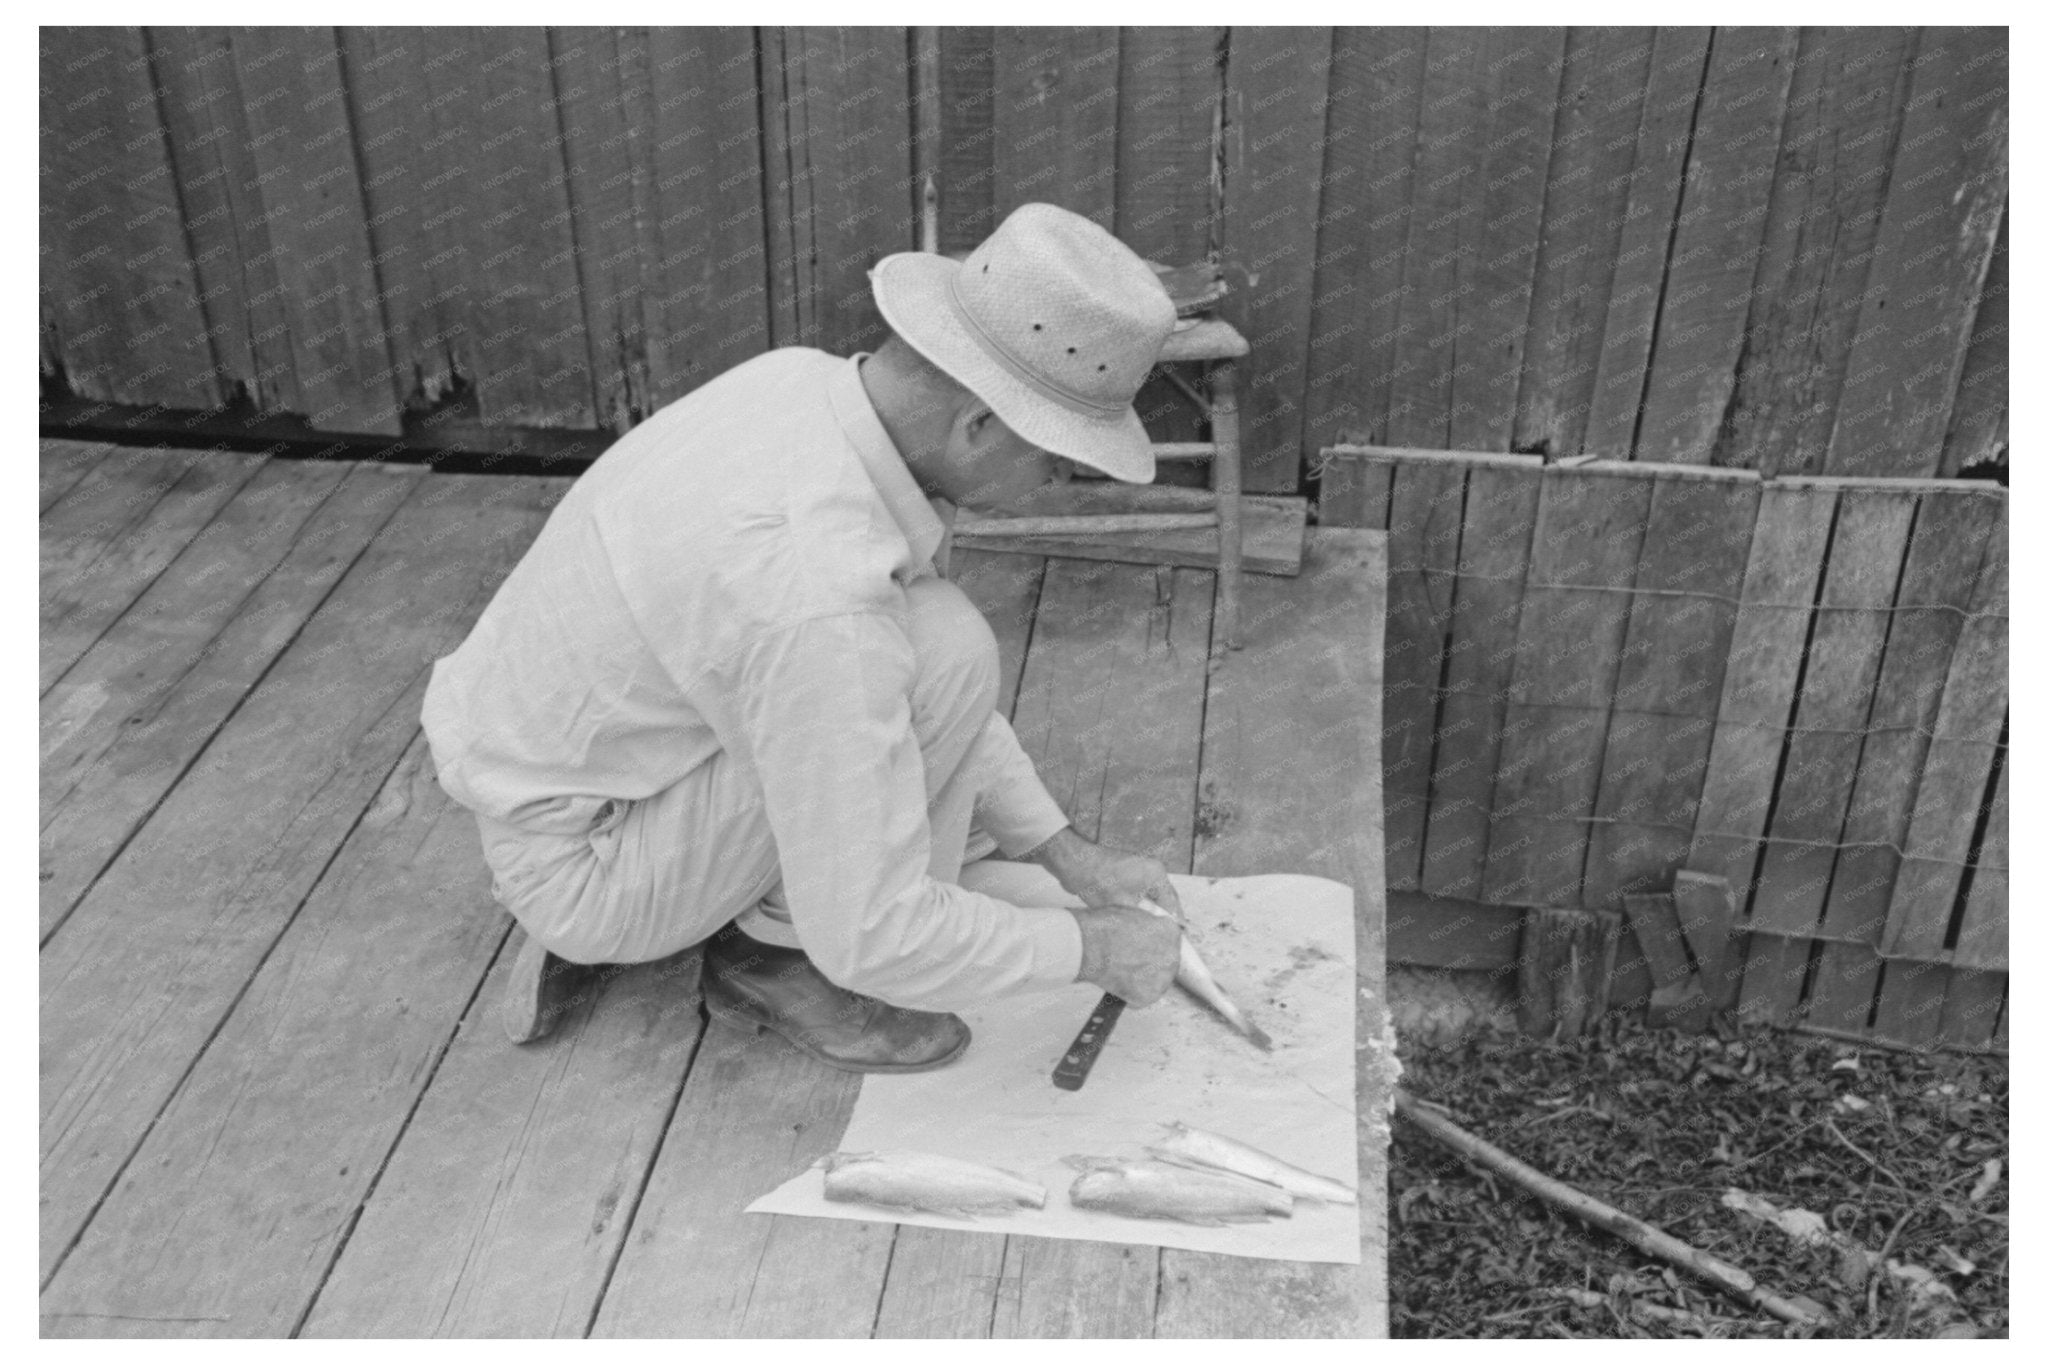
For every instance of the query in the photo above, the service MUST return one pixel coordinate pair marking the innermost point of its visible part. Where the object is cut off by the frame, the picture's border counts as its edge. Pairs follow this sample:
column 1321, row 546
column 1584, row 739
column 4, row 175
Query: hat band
column 1016, row 368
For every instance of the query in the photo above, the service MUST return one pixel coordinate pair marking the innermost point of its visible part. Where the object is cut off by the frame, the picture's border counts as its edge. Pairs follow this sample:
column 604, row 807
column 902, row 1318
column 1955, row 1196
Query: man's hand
column 1128, row 952
column 1103, row 876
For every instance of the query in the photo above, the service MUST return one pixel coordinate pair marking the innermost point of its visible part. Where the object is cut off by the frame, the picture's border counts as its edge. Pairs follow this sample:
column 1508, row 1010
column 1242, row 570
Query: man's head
column 1033, row 348
column 956, row 446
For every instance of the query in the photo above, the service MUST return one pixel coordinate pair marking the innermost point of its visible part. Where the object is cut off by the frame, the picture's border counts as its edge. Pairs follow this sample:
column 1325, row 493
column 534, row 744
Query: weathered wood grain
column 117, row 494
column 295, row 98
column 77, row 606
column 1706, row 913
column 119, row 290
column 155, row 955
column 1168, row 85
column 1977, row 428
column 1981, row 939
column 505, row 1204
column 848, row 91
column 700, row 118
column 60, row 465
column 1950, row 533
column 1968, row 727
column 756, row 1111
column 1108, row 710
column 1500, row 231
column 967, row 119
column 1970, row 1012
column 163, row 633
column 1443, row 931
column 521, row 297
column 122, row 730
column 1054, row 120
column 1836, row 694
column 1707, row 300
column 231, row 1212
column 1826, row 195
column 248, row 313
column 1425, row 525
column 1585, row 204
column 1568, row 655
column 1276, row 94
column 1662, row 141
column 1450, row 135
column 1944, row 202
column 1667, row 693
column 1376, row 79
column 1289, row 779
column 1493, row 560
column 1272, row 530
column 1779, row 585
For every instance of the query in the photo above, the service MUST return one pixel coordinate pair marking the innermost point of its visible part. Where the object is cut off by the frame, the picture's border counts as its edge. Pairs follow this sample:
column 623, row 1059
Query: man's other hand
column 1102, row 876
column 1129, row 952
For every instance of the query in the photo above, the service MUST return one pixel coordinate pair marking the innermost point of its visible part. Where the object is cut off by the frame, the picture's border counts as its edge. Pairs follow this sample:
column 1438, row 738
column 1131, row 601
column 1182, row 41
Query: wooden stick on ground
column 1634, row 1231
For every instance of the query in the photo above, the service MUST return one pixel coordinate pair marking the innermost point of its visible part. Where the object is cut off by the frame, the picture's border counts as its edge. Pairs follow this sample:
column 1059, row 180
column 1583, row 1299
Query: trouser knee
column 957, row 673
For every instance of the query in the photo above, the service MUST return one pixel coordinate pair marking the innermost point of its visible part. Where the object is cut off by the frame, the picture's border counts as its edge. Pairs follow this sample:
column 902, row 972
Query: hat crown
column 1064, row 301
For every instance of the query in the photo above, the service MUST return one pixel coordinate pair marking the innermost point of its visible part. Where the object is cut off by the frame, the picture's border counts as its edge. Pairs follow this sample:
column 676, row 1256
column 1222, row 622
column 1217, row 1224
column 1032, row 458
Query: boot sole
column 739, row 1018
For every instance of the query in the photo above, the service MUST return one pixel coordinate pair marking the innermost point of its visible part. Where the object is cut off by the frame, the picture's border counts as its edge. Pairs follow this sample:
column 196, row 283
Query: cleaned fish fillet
column 1217, row 1152
column 922, row 1180
column 1164, row 1189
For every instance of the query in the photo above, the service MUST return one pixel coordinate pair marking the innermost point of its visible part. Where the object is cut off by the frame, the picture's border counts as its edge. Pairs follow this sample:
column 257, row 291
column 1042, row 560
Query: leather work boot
column 761, row 986
column 541, row 989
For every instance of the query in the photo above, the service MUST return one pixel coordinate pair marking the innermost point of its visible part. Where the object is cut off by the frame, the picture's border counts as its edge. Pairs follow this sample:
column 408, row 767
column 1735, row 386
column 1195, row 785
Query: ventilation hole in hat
column 1038, row 327
column 984, row 269
column 1070, row 350
column 1102, row 367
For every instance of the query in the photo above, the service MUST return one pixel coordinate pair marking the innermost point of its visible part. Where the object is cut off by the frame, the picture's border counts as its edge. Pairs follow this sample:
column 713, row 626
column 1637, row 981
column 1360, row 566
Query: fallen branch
column 1638, row 1234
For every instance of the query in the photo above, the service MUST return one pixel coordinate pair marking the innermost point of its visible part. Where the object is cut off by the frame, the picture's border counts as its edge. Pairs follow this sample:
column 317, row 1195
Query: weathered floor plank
column 107, row 766
column 101, row 509
column 1109, row 711
column 505, row 1203
column 166, row 631
column 60, row 465
column 753, row 1111
column 78, row 607
column 162, row 947
column 1290, row 768
column 226, row 1221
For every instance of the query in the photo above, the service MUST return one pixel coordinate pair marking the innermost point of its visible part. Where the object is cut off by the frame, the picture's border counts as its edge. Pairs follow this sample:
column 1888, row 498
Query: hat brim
column 913, row 291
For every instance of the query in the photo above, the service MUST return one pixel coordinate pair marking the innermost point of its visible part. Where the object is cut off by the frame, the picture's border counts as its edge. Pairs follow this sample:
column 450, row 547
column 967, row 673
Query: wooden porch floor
column 274, row 1099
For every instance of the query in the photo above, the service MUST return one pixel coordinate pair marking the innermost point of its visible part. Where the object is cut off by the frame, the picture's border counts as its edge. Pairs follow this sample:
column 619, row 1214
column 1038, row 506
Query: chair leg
column 1226, row 478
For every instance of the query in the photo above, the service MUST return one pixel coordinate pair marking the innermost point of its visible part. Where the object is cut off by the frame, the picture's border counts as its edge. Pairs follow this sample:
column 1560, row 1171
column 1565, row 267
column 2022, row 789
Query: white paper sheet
column 1282, row 946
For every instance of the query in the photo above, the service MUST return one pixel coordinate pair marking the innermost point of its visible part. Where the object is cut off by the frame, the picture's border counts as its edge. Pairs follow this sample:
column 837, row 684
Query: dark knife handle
column 1074, row 1067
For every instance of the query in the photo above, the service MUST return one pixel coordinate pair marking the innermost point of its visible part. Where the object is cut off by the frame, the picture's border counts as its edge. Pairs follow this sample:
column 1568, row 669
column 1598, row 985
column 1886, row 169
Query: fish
column 1165, row 1189
column 1217, row 1152
column 928, row 1182
column 1197, row 980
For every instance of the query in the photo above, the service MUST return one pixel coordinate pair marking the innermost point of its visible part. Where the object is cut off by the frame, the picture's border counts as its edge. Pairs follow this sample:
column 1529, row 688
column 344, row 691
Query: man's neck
column 914, row 415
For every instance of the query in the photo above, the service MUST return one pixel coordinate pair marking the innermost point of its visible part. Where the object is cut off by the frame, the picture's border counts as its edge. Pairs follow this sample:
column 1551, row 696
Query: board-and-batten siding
column 1774, row 249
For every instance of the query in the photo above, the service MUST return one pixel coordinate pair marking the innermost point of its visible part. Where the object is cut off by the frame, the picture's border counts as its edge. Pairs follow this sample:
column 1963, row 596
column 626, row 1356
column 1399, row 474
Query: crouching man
column 725, row 699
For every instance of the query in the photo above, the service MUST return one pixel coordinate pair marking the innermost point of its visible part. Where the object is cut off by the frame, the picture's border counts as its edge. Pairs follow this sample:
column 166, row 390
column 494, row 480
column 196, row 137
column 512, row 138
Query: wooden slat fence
column 1598, row 676
column 1773, row 249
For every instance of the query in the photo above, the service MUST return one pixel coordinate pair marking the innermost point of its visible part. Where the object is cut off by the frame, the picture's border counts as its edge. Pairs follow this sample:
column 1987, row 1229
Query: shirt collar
column 878, row 454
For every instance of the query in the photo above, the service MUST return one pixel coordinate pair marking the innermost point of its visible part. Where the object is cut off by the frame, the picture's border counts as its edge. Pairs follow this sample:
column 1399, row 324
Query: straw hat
column 1052, row 322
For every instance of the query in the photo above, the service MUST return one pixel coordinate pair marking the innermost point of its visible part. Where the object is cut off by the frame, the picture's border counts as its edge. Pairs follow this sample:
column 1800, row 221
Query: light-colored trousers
column 655, row 876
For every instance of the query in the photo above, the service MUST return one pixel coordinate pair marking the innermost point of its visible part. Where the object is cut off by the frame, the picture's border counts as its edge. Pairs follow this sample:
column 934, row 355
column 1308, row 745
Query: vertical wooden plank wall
column 1775, row 249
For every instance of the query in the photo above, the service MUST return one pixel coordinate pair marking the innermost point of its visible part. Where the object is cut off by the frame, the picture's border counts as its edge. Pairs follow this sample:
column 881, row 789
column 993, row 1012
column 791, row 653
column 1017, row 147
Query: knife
column 1087, row 1045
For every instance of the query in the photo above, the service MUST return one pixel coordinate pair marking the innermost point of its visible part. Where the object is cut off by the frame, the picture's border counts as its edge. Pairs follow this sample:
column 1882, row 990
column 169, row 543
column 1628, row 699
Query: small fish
column 1216, row 1152
column 1197, row 980
column 922, row 1180
column 1164, row 1189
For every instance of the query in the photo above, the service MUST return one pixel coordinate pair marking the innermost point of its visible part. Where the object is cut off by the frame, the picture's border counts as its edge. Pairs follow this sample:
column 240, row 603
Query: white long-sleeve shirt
column 729, row 577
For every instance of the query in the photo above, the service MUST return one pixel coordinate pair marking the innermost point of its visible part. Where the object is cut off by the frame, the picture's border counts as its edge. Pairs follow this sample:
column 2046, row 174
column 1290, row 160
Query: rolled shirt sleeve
column 821, row 711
